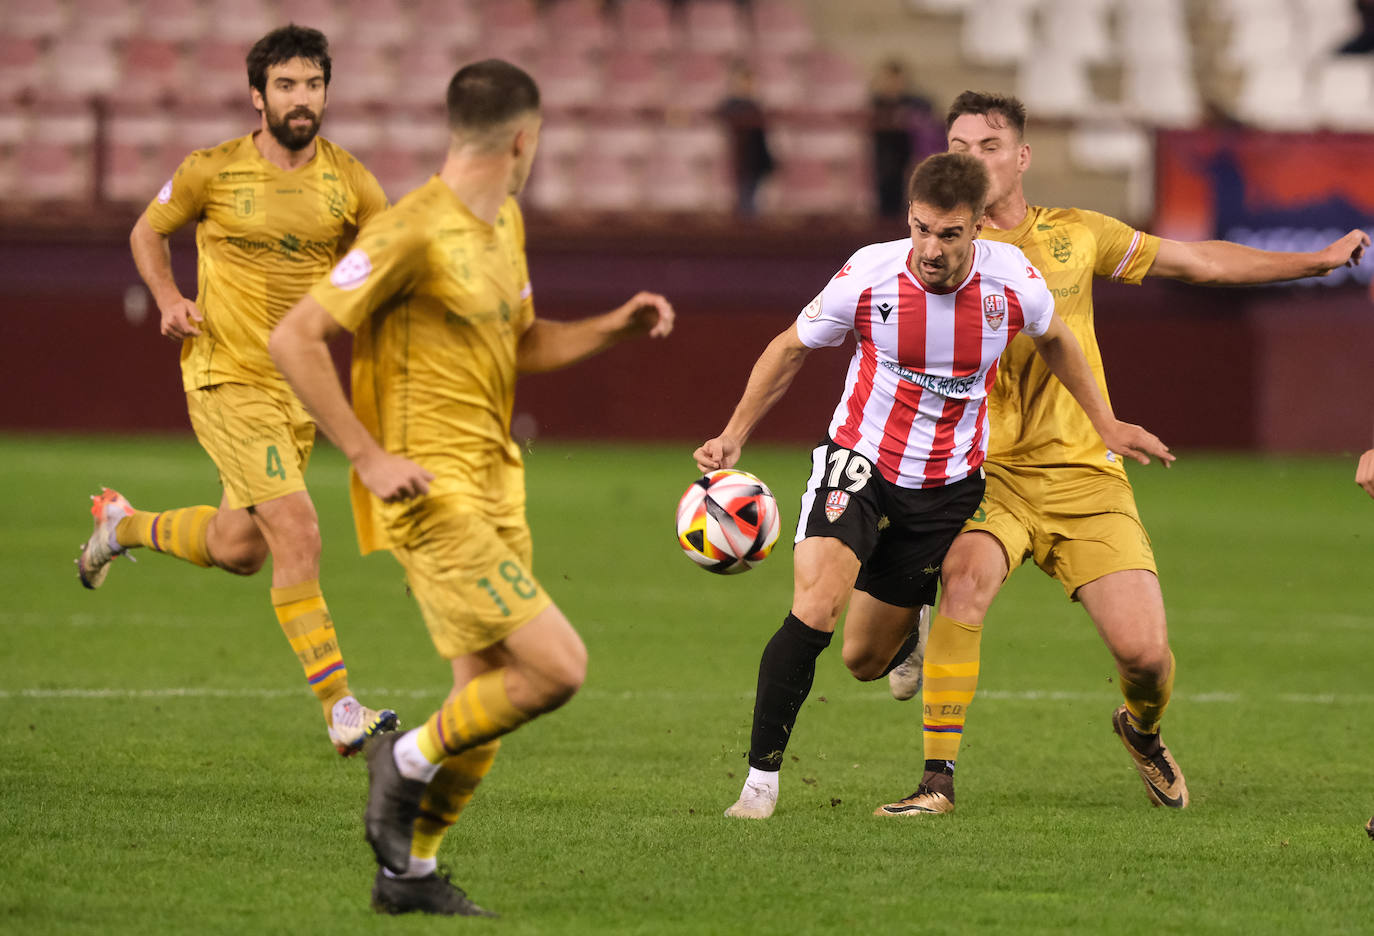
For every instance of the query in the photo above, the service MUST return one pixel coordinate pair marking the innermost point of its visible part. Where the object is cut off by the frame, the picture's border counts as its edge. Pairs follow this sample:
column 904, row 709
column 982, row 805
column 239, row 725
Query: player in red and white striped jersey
column 900, row 471
column 915, row 398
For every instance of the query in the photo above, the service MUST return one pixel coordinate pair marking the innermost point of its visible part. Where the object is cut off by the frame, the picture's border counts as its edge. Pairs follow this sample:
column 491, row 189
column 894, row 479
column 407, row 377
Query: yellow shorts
column 1079, row 524
column 471, row 577
column 259, row 440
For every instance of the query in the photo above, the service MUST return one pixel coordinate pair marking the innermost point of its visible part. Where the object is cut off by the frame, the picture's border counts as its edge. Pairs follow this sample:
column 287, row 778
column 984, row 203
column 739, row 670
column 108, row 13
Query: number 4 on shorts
column 275, row 469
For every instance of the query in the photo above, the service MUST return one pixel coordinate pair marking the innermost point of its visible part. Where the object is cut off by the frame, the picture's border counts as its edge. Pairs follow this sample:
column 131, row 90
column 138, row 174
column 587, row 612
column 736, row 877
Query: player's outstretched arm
column 1364, row 473
column 1064, row 356
column 153, row 257
column 1222, row 263
column 547, row 345
column 300, row 347
column 772, row 374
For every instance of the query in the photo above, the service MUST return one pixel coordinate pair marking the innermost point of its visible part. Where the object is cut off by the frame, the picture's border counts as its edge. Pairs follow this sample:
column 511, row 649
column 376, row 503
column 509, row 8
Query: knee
column 559, row 682
column 245, row 559
column 862, row 663
column 1145, row 664
column 967, row 588
column 818, row 608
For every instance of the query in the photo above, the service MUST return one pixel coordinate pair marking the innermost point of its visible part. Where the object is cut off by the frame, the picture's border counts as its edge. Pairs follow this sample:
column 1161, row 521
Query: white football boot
column 108, row 508
column 905, row 679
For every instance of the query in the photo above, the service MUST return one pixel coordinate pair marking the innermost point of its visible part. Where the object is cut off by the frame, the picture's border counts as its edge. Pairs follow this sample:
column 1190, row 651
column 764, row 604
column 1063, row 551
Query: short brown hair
column 486, row 94
column 281, row 46
column 983, row 103
column 948, row 180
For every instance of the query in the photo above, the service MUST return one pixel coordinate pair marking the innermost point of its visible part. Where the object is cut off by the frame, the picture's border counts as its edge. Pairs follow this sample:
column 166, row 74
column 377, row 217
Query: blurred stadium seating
column 161, row 67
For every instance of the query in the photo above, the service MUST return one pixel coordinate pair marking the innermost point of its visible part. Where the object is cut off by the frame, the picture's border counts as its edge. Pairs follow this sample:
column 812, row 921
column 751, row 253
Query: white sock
column 419, row 867
column 767, row 779
column 412, row 764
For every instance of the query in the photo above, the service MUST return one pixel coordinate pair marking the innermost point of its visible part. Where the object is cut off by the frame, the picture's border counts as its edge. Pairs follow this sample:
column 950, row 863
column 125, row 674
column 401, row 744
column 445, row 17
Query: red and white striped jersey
column 915, row 398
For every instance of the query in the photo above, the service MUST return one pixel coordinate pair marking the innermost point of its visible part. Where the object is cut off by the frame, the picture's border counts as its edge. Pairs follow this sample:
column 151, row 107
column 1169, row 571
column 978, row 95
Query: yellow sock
column 951, row 678
column 447, row 794
column 1145, row 706
column 305, row 620
column 181, row 532
column 479, row 712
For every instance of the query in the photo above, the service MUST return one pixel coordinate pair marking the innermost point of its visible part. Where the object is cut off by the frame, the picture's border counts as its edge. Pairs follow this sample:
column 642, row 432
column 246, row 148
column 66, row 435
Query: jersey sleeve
column 182, row 198
column 388, row 260
column 371, row 198
column 517, row 220
column 1124, row 254
column 1037, row 304
column 829, row 318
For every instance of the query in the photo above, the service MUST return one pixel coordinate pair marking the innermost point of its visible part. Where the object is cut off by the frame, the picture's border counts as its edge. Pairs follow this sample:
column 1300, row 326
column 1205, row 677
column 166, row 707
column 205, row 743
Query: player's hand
column 1364, row 474
column 178, row 319
column 393, row 477
column 645, row 314
column 1346, row 252
column 1136, row 442
column 720, row 452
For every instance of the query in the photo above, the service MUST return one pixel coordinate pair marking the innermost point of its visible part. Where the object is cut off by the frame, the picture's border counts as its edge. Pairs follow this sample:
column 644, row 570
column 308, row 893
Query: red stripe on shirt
column 848, row 434
column 968, row 328
column 911, row 353
column 911, row 324
column 937, row 466
column 1016, row 319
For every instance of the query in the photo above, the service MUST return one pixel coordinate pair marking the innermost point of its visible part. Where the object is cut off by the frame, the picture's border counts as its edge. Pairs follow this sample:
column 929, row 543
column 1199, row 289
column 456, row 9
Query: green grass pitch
column 164, row 770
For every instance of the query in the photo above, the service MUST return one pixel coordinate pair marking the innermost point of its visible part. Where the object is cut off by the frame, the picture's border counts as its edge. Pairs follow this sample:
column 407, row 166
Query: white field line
column 668, row 695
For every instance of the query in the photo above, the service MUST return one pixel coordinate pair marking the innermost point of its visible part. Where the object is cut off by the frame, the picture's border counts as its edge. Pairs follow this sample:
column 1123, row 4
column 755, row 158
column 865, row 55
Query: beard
column 291, row 137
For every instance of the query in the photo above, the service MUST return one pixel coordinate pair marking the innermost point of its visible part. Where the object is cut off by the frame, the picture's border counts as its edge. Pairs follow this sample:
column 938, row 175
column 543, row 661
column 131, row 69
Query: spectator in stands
column 744, row 119
column 905, row 131
column 1362, row 42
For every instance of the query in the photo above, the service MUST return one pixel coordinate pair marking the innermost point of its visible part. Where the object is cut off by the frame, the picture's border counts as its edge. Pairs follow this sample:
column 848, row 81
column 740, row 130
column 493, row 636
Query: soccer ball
column 727, row 521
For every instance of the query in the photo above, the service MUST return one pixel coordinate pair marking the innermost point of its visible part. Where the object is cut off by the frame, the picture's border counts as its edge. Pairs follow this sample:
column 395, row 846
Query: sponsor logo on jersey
column 835, row 503
column 959, row 388
column 352, row 271
column 813, row 309
column 994, row 310
column 164, row 194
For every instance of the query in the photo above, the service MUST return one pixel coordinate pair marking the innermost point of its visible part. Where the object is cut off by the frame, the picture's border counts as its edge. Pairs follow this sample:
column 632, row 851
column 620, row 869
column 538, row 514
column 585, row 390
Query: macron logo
column 845, row 271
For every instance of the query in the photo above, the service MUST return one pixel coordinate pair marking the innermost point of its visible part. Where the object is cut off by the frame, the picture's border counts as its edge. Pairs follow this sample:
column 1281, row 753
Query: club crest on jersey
column 835, row 503
column 994, row 310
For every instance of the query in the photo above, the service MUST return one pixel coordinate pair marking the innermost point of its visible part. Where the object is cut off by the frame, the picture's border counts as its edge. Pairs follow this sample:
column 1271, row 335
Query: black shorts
column 900, row 535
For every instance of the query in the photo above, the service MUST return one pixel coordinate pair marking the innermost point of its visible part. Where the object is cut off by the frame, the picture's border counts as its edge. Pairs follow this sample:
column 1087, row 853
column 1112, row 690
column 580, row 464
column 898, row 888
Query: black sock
column 904, row 651
column 785, row 673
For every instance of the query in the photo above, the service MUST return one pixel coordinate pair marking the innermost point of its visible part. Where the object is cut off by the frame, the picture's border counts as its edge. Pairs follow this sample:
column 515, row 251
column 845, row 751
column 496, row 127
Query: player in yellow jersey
column 1055, row 494
column 437, row 294
column 274, row 210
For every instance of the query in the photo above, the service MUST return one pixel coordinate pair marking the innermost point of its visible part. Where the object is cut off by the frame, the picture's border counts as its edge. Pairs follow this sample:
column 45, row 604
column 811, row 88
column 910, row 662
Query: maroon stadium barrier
column 1279, row 369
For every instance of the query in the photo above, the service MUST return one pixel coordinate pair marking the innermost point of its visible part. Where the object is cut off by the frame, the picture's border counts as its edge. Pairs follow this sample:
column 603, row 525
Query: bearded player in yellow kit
column 437, row 294
column 273, row 211
column 1054, row 493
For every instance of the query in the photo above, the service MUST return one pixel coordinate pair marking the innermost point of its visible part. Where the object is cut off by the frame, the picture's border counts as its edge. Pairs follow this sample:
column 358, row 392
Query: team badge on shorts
column 835, row 503
column 994, row 310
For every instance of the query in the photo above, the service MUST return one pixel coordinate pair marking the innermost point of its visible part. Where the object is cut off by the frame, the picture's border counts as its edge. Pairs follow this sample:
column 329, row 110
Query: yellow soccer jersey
column 264, row 235
column 438, row 300
column 1035, row 421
